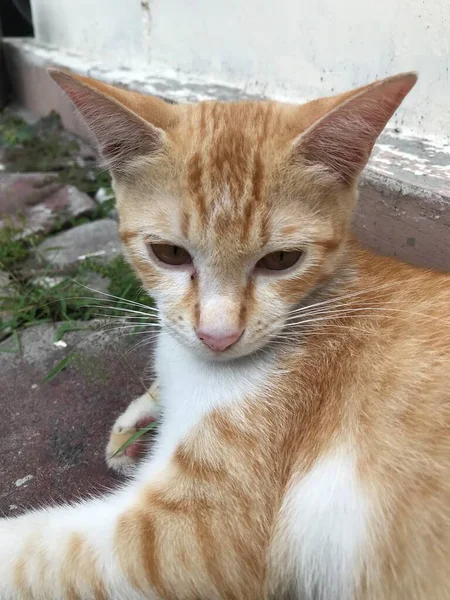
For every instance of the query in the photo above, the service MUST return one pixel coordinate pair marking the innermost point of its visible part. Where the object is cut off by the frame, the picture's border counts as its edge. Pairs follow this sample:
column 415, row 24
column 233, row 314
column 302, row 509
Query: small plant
column 45, row 146
column 13, row 248
column 29, row 300
column 136, row 435
column 69, row 300
column 124, row 283
column 29, row 297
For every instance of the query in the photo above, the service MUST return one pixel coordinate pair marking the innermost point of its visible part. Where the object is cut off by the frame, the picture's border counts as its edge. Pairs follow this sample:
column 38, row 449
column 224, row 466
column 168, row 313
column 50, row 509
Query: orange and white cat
column 304, row 448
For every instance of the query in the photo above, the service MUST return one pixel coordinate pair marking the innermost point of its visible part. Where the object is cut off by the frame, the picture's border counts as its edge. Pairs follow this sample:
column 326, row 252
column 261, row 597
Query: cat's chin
column 201, row 351
column 226, row 356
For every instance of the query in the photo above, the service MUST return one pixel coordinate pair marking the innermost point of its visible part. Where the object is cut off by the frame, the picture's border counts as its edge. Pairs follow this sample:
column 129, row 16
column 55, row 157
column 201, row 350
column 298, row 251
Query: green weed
column 26, row 302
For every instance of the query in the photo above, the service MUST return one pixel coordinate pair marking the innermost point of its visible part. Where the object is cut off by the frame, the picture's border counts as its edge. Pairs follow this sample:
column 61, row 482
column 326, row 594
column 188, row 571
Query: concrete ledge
column 404, row 207
column 27, row 61
column 406, row 221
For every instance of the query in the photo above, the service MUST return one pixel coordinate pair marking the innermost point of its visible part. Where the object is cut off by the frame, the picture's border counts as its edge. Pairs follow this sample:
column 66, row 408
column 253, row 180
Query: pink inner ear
column 75, row 95
column 120, row 133
column 343, row 139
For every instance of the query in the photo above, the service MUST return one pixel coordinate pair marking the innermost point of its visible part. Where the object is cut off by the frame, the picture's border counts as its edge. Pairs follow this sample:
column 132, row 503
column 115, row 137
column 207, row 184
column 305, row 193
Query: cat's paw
column 140, row 413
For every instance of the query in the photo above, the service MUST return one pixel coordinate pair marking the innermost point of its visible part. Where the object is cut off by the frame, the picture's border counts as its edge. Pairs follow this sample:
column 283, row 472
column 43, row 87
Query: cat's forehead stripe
column 225, row 158
column 194, row 186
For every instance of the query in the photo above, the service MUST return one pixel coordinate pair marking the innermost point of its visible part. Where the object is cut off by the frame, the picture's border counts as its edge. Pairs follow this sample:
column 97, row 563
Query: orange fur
column 371, row 370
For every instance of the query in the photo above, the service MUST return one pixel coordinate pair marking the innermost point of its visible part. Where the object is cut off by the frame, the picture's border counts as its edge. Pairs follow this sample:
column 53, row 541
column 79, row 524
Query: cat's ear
column 343, row 138
column 126, row 125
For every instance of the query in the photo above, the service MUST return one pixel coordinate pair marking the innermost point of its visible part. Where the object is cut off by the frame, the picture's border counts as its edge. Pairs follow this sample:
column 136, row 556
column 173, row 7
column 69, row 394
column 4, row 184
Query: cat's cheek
column 170, row 285
column 151, row 278
column 180, row 303
column 292, row 289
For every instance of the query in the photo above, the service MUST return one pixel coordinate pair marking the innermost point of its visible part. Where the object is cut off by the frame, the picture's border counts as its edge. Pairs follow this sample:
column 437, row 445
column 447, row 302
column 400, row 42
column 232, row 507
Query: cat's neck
column 191, row 388
column 209, row 382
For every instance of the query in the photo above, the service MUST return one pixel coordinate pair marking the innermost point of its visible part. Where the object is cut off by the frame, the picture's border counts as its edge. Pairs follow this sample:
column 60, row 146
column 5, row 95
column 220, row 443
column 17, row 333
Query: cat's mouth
column 210, row 352
column 248, row 343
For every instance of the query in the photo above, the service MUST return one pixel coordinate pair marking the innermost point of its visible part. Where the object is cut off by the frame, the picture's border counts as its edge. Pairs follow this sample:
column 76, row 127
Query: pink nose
column 219, row 343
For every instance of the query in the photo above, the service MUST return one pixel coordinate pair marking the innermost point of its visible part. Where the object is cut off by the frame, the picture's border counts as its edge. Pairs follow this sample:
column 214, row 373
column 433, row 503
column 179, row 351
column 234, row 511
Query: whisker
column 151, row 334
column 310, row 324
column 343, row 297
column 361, row 311
column 148, row 328
column 338, row 316
column 128, row 310
column 318, row 331
column 109, row 295
column 130, row 318
column 326, row 309
column 57, row 300
column 141, row 344
column 117, row 305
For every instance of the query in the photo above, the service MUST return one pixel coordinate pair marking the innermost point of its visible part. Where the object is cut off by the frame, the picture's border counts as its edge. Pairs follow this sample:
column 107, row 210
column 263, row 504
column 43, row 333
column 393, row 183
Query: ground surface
column 54, row 433
column 66, row 370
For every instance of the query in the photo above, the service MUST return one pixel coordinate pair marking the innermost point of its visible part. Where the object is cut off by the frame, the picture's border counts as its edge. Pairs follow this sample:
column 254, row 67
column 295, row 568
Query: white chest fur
column 322, row 531
column 191, row 387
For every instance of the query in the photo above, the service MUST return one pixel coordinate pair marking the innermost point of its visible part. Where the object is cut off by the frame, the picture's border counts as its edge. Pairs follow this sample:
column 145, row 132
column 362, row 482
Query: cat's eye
column 280, row 260
column 171, row 255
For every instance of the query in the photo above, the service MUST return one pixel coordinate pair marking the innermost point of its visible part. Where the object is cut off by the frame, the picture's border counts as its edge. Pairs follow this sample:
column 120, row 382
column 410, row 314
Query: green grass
column 139, row 433
column 37, row 147
column 44, row 146
column 14, row 250
column 24, row 303
column 124, row 283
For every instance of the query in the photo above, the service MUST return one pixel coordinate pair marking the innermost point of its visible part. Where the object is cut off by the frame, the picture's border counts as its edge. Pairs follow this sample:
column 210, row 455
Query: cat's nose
column 217, row 342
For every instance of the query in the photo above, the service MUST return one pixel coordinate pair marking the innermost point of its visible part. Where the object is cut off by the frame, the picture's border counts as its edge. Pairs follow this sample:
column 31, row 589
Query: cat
column 304, row 447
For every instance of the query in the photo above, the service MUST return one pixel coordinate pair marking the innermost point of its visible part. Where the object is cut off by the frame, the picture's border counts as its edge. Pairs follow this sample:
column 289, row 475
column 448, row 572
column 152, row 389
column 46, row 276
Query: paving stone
column 103, row 195
column 57, row 210
column 38, row 202
column 97, row 284
column 99, row 239
column 54, row 434
column 18, row 191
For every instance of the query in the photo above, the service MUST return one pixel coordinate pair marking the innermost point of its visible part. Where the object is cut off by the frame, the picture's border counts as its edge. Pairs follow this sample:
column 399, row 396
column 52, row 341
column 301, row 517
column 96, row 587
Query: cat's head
column 231, row 213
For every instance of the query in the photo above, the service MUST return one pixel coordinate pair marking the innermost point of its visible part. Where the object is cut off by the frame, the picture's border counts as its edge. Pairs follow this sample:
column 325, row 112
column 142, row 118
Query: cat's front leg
column 139, row 413
column 184, row 533
column 195, row 523
column 68, row 552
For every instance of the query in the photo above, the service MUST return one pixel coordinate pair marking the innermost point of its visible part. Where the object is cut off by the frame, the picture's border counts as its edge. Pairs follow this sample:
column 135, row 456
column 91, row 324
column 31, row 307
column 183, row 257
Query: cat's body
column 330, row 455
column 311, row 465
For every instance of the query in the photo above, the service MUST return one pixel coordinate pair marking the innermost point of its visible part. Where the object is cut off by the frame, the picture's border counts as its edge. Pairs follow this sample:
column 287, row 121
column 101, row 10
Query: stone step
column 97, row 239
column 39, row 203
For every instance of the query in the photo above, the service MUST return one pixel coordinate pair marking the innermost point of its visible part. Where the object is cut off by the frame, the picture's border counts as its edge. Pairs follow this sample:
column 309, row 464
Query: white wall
column 108, row 29
column 294, row 49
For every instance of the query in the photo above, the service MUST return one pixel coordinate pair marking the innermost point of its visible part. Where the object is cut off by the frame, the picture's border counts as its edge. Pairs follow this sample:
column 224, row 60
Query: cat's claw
column 138, row 414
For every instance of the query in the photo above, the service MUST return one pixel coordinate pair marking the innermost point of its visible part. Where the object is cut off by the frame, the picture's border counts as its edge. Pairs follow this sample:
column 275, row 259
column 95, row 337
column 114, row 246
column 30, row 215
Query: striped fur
column 309, row 460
